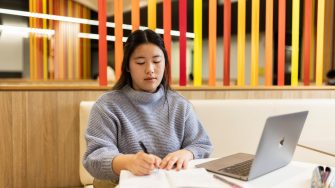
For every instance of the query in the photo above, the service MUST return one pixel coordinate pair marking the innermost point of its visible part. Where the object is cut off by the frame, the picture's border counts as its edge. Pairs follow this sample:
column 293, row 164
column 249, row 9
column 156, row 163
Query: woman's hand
column 142, row 163
column 177, row 160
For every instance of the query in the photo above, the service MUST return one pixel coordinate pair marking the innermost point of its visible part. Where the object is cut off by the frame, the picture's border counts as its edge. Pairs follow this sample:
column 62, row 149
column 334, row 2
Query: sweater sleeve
column 101, row 142
column 196, row 139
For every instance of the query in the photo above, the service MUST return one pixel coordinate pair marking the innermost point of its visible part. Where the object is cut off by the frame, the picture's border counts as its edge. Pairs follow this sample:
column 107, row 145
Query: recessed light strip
column 82, row 21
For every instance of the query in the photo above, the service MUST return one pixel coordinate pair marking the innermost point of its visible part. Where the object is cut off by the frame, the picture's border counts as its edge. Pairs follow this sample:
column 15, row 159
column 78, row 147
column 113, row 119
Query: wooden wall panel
column 39, row 131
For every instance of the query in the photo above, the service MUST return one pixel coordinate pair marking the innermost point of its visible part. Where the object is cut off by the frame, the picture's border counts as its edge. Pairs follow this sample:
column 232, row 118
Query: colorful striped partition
column 212, row 42
column 167, row 31
column 103, row 42
column 307, row 40
column 135, row 14
column 313, row 43
column 295, row 42
column 241, row 42
column 281, row 42
column 268, row 42
column 226, row 41
column 45, row 43
column 197, row 67
column 320, row 42
column 182, row 42
column 254, row 42
column 118, row 12
column 152, row 14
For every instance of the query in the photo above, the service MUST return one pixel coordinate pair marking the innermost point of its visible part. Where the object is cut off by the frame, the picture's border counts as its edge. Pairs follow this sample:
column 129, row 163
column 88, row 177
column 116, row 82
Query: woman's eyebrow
column 156, row 56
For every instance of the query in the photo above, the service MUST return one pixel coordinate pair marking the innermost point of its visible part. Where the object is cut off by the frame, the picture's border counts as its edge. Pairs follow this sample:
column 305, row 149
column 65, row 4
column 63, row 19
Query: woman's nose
column 149, row 68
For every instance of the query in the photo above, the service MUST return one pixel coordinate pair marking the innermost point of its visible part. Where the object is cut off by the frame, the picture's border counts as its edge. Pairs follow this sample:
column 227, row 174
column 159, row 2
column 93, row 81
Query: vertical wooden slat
column 51, row 43
column 31, row 43
column 118, row 12
column 212, row 42
column 197, row 67
column 152, row 14
column 182, row 42
column 281, row 42
column 295, row 42
column 84, row 46
column 78, row 63
column 268, row 42
column 167, row 31
column 103, row 42
column 45, row 43
column 226, row 41
column 254, row 42
column 69, row 42
column 320, row 42
column 307, row 40
column 313, row 43
column 241, row 42
column 61, row 43
column 135, row 14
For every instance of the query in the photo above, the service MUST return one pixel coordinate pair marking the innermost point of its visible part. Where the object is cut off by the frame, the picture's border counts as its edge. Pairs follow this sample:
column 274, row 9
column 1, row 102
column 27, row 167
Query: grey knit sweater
column 120, row 119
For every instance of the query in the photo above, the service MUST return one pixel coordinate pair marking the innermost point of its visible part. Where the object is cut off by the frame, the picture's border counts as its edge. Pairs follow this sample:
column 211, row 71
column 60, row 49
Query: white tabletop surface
column 295, row 174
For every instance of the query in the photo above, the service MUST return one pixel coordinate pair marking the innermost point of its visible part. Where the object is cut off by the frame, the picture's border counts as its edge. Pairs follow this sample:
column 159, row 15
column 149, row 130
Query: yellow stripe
column 295, row 42
column 241, row 42
column 45, row 44
column 197, row 69
column 311, row 78
column 319, row 40
column 254, row 42
column 152, row 14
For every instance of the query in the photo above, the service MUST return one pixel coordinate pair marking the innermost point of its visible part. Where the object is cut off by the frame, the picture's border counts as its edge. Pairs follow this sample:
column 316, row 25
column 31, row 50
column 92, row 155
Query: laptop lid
column 278, row 142
column 275, row 149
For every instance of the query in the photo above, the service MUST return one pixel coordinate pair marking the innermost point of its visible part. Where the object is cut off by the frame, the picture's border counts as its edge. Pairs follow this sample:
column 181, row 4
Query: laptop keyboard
column 241, row 169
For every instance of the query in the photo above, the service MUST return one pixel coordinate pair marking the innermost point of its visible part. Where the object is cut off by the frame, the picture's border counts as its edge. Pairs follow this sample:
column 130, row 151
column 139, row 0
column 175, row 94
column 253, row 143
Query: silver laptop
column 275, row 149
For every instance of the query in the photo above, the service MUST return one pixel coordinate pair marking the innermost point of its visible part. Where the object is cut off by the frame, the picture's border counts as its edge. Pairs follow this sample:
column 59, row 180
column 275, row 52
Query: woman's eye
column 157, row 61
column 140, row 62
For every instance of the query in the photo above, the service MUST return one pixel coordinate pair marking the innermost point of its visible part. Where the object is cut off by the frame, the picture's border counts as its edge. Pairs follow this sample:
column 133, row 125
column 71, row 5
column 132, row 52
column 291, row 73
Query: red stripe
column 307, row 40
column 226, row 41
column 102, row 43
column 182, row 41
column 281, row 42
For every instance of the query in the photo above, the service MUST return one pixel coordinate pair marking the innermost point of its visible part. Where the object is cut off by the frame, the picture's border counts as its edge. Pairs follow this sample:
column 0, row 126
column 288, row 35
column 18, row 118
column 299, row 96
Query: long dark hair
column 135, row 39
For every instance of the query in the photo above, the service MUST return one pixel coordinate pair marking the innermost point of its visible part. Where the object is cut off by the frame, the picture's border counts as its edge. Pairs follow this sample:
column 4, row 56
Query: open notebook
column 194, row 177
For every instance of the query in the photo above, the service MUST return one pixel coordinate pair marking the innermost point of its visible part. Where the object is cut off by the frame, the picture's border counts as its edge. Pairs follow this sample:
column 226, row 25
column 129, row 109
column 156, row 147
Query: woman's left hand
column 177, row 160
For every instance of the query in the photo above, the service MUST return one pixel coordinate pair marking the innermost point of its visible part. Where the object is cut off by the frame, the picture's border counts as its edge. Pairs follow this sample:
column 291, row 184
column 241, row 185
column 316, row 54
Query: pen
column 143, row 147
column 227, row 182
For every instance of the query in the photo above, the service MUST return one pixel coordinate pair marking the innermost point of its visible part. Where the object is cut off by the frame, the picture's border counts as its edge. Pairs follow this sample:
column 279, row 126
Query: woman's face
column 146, row 67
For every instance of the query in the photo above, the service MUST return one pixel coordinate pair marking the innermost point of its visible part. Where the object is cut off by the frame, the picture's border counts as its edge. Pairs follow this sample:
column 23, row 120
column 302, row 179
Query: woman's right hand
column 142, row 163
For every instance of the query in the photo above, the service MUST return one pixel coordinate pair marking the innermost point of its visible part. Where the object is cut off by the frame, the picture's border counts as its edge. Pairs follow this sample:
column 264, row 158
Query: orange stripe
column 268, row 42
column 118, row 12
column 212, row 43
column 51, row 47
column 167, row 30
column 135, row 14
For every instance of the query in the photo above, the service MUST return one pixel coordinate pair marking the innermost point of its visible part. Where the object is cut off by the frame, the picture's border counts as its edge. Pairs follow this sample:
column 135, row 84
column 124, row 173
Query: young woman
column 142, row 124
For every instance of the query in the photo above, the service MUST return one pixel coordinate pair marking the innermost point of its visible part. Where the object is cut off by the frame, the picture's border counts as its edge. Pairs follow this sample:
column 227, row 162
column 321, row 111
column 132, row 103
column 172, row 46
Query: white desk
column 295, row 174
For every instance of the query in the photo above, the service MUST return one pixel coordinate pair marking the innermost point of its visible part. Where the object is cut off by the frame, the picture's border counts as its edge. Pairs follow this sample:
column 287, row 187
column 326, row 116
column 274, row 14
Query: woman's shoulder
column 177, row 98
column 111, row 97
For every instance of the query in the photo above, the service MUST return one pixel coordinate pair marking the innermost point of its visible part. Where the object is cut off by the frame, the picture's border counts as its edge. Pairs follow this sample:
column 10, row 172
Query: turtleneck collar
column 142, row 97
